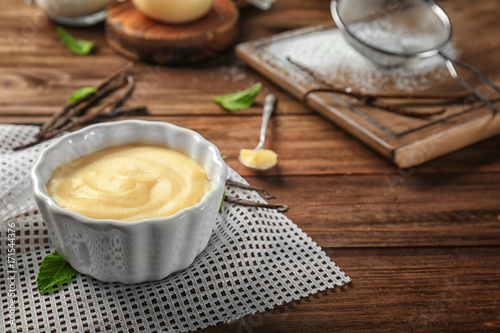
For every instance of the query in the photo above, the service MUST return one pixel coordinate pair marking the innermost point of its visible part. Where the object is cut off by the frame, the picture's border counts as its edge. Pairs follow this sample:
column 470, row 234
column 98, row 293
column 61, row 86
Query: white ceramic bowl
column 130, row 252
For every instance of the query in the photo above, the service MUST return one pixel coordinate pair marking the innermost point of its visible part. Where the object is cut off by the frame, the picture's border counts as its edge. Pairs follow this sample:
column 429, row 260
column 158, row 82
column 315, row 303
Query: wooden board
column 407, row 141
column 137, row 37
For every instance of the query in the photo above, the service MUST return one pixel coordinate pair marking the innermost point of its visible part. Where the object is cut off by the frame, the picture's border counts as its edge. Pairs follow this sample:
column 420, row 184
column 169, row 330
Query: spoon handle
column 269, row 106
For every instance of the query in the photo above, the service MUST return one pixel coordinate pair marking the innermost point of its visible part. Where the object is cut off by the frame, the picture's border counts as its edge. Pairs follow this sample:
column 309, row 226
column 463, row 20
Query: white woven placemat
column 256, row 259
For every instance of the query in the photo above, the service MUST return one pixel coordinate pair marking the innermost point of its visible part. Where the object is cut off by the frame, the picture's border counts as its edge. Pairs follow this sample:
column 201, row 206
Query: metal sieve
column 397, row 32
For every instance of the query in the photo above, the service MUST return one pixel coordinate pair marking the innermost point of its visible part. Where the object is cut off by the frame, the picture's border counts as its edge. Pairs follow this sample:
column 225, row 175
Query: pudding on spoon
column 260, row 159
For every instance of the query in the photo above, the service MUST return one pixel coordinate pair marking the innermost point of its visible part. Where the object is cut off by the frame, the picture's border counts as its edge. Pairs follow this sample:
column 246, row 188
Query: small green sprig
column 53, row 271
column 240, row 100
column 222, row 201
column 77, row 46
column 81, row 93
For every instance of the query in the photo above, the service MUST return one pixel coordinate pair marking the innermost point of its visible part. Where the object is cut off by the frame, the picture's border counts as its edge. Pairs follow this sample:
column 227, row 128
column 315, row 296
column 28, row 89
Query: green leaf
column 53, row 271
column 78, row 46
column 81, row 93
column 222, row 201
column 240, row 100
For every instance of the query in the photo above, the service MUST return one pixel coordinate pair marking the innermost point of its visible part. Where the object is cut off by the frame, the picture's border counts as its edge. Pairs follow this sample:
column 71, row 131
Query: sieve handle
column 450, row 65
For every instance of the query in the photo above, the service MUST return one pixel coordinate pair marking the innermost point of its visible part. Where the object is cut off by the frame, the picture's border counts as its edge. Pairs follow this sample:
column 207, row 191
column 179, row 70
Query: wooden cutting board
column 408, row 141
column 137, row 37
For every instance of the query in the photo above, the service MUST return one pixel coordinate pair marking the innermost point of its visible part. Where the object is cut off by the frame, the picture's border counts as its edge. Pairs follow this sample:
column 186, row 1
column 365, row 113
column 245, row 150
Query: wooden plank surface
column 370, row 211
column 396, row 290
column 421, row 245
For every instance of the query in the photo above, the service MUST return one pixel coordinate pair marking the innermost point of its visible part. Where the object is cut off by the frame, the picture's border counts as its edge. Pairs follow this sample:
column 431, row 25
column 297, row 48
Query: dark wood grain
column 422, row 245
column 396, row 290
column 374, row 211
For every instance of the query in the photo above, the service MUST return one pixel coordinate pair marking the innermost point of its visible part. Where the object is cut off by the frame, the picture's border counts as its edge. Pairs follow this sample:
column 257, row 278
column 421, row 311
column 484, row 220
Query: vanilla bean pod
column 92, row 114
column 371, row 100
column 452, row 97
column 377, row 103
column 62, row 122
column 61, row 113
column 233, row 183
column 64, row 110
column 79, row 113
column 248, row 203
column 116, row 76
column 375, row 100
column 314, row 74
column 27, row 145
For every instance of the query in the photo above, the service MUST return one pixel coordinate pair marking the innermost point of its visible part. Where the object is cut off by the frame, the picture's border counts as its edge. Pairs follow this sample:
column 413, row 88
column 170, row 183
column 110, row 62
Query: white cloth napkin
column 256, row 259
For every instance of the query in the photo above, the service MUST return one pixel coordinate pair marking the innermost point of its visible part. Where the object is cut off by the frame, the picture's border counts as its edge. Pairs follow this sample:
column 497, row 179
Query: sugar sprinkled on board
column 327, row 52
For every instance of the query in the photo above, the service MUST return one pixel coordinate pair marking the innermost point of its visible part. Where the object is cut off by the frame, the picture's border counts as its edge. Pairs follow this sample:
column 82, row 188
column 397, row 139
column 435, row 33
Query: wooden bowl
column 138, row 37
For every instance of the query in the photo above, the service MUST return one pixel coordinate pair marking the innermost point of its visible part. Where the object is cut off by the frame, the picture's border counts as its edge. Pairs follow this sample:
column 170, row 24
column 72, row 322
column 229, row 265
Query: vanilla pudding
column 129, row 183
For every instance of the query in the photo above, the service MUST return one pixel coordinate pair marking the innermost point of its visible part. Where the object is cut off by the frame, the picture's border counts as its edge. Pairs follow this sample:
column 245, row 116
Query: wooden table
column 422, row 245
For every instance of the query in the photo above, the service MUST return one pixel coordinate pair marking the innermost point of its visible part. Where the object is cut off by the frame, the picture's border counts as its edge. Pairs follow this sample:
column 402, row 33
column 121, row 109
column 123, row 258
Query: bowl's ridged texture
column 130, row 252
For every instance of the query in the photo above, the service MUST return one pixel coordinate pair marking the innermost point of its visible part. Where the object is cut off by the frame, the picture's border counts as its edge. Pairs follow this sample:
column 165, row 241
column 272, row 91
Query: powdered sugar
column 232, row 73
column 327, row 52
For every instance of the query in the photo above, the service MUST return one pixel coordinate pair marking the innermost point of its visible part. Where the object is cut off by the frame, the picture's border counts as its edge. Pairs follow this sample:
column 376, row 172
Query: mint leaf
column 53, row 270
column 222, row 201
column 78, row 46
column 240, row 100
column 81, row 93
